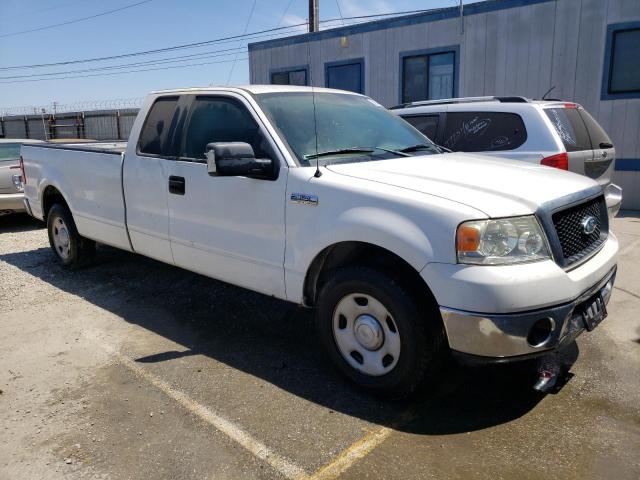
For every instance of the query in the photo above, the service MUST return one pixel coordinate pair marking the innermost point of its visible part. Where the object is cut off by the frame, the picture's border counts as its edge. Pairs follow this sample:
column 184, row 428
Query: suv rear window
column 596, row 133
column 483, row 131
column 427, row 124
column 570, row 127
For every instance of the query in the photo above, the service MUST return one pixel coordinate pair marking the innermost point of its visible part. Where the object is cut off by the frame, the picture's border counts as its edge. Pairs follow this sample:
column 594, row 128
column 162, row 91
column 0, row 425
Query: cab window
column 157, row 132
column 221, row 119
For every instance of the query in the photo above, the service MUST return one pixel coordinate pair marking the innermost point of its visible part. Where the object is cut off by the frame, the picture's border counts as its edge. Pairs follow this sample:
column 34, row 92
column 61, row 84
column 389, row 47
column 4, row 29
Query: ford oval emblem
column 589, row 225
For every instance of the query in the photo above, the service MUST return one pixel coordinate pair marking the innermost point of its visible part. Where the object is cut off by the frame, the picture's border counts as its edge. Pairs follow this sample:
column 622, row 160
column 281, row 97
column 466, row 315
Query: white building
column 589, row 50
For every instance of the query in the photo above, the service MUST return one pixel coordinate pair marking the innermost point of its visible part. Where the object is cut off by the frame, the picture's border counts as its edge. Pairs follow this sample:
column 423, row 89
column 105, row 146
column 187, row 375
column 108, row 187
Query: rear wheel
column 377, row 334
column 71, row 249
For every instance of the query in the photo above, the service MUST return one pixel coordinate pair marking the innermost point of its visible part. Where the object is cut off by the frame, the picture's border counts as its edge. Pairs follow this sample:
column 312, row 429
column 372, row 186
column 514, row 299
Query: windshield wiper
column 355, row 150
column 338, row 151
column 421, row 146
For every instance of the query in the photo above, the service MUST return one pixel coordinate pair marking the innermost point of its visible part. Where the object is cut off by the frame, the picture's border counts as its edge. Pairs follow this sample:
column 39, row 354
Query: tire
column 413, row 339
column 71, row 249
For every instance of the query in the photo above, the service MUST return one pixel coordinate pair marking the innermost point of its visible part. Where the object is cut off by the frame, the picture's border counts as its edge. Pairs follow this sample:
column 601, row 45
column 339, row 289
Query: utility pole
column 314, row 24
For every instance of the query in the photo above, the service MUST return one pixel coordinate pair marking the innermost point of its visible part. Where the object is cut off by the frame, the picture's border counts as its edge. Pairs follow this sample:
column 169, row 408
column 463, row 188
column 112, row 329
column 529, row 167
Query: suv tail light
column 22, row 174
column 560, row 161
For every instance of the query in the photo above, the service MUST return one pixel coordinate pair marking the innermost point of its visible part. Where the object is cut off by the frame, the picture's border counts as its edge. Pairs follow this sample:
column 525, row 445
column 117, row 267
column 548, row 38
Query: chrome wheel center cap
column 64, row 236
column 368, row 332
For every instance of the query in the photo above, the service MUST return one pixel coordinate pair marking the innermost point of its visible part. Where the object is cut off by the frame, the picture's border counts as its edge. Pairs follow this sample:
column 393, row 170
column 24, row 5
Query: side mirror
column 236, row 159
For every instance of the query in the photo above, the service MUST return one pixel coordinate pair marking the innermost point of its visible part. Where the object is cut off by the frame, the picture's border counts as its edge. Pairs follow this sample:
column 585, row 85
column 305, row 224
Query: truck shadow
column 275, row 341
column 19, row 223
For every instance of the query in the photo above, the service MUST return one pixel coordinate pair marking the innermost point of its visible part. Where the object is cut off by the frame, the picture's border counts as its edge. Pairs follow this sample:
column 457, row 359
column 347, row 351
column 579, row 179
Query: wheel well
column 364, row 254
column 50, row 197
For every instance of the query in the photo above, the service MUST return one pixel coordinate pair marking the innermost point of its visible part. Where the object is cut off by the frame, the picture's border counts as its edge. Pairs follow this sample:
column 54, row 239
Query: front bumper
column 613, row 198
column 498, row 338
column 12, row 202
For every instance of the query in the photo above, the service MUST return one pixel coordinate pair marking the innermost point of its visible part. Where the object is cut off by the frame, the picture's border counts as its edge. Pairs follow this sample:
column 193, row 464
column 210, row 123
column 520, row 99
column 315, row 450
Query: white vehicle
column 324, row 198
column 548, row 132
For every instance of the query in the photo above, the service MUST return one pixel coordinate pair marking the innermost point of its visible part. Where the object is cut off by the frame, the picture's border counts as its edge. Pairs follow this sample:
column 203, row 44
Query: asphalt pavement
column 132, row 369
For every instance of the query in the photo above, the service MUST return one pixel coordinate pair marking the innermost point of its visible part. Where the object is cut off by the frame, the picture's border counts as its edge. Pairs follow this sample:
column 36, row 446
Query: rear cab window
column 9, row 152
column 483, row 131
column 156, row 137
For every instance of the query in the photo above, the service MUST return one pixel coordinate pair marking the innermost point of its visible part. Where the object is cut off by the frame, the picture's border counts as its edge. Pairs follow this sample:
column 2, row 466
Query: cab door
column 146, row 173
column 229, row 228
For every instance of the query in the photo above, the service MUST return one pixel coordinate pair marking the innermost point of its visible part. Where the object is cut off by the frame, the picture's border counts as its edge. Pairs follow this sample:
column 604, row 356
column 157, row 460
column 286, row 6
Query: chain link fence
column 104, row 120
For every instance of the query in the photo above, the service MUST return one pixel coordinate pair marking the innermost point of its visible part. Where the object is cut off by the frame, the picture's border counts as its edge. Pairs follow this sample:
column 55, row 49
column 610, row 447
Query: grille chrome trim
column 545, row 215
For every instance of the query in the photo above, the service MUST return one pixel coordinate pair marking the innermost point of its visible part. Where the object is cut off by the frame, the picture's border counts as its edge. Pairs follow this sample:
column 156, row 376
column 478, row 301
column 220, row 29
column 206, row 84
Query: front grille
column 575, row 243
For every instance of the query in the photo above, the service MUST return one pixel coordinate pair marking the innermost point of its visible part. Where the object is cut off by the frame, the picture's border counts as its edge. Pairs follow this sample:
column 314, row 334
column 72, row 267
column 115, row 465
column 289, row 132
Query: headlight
column 502, row 241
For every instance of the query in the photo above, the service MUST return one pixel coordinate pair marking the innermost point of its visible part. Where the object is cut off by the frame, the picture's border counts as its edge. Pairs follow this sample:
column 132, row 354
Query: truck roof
column 255, row 89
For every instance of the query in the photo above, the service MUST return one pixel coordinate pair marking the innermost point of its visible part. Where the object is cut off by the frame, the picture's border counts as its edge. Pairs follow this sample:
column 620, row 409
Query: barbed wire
column 80, row 106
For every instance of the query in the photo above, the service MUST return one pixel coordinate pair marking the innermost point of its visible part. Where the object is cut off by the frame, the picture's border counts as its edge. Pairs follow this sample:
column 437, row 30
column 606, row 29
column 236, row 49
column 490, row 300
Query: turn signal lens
column 468, row 238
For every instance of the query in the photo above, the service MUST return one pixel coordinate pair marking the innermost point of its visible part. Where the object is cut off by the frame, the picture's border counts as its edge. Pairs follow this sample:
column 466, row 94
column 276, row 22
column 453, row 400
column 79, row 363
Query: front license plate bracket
column 594, row 311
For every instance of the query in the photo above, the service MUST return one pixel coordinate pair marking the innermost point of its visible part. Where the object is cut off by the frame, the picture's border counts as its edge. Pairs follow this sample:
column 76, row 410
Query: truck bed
column 90, row 178
column 96, row 147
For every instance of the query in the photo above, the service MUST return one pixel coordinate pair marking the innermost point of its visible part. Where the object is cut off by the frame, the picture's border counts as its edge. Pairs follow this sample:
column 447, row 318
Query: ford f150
column 323, row 198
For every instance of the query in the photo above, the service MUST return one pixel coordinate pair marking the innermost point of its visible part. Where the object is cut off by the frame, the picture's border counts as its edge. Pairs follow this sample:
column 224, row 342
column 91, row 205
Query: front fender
column 376, row 226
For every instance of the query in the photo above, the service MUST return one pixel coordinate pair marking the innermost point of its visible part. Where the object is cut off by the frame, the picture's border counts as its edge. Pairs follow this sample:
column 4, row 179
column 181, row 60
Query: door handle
column 176, row 185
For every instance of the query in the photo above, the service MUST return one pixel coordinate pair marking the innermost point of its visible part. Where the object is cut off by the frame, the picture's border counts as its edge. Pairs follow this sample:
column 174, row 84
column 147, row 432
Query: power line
column 180, row 58
column 149, row 52
column 174, row 59
column 199, row 44
column 123, row 73
column 244, row 32
column 51, row 7
column 339, row 11
column 284, row 14
column 177, row 59
column 77, row 20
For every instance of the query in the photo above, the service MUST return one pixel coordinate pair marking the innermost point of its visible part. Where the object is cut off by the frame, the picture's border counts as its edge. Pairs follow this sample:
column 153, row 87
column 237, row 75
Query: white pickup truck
column 323, row 198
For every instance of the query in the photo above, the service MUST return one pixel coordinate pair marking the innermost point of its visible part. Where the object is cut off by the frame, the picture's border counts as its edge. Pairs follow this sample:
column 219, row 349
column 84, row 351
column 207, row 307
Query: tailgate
column 7, row 170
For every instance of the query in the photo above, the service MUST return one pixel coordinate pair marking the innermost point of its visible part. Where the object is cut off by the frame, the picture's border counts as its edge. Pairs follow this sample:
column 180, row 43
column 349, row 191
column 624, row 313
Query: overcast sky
column 151, row 24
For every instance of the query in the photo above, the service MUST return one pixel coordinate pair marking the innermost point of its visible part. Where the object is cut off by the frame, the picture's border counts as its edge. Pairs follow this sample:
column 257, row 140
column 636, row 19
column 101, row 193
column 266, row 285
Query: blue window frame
column 290, row 76
column 429, row 74
column 621, row 71
column 345, row 75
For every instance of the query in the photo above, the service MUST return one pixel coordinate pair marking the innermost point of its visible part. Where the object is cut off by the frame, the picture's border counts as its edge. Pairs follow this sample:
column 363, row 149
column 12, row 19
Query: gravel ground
column 131, row 369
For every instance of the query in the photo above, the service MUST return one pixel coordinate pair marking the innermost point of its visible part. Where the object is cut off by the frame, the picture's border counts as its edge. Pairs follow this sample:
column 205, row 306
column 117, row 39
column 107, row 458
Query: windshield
column 350, row 128
column 9, row 152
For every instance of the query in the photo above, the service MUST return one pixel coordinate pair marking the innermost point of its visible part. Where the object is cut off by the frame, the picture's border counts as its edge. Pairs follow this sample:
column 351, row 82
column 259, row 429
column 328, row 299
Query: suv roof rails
column 446, row 101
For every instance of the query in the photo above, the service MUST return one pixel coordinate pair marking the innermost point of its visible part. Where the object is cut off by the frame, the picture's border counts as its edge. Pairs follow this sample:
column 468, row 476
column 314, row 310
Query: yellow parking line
column 336, row 467
column 234, row 432
column 351, row 455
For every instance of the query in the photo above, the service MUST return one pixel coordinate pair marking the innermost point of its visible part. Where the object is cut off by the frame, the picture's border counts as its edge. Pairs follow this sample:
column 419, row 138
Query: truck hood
column 497, row 187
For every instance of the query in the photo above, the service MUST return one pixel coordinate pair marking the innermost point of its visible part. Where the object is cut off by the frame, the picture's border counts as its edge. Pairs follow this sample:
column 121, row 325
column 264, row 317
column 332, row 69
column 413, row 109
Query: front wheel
column 377, row 334
column 71, row 249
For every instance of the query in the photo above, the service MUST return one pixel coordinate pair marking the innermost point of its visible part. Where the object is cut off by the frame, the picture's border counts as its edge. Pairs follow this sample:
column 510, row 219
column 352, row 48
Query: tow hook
column 548, row 374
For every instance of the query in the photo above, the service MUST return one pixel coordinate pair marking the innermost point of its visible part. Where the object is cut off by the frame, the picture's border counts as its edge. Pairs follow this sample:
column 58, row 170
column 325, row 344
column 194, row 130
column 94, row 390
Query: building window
column 293, row 76
column 345, row 75
column 621, row 75
column 428, row 75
